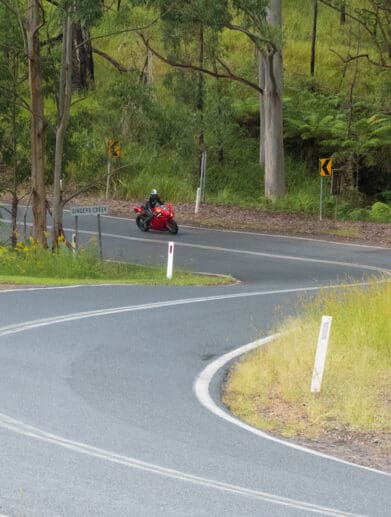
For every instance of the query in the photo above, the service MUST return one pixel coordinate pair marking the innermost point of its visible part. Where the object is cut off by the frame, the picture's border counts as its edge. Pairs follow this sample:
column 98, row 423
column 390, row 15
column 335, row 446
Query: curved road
column 98, row 411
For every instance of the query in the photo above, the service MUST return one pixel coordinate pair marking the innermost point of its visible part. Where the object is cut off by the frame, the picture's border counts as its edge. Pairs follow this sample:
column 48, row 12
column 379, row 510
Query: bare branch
column 115, row 33
column 87, row 187
column 111, row 60
column 98, row 182
column 350, row 58
column 338, row 9
column 253, row 37
column 229, row 75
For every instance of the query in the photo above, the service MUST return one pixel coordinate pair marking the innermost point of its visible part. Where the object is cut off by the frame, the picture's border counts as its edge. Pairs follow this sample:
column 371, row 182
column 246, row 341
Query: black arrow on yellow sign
column 114, row 148
column 326, row 167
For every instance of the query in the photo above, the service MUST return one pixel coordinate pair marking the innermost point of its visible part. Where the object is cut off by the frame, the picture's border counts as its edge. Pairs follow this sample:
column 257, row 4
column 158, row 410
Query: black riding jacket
column 153, row 200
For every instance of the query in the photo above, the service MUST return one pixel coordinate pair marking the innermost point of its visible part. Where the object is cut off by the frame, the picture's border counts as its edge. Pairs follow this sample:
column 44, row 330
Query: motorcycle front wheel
column 140, row 221
column 172, row 227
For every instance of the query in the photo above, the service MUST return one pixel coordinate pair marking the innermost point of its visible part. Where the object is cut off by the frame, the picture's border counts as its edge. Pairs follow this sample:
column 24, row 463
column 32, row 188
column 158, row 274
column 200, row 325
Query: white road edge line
column 23, row 429
column 201, row 390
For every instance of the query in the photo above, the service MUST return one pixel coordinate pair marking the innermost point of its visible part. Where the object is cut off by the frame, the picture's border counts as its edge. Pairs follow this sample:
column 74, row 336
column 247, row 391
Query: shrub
column 380, row 213
column 358, row 214
column 385, row 196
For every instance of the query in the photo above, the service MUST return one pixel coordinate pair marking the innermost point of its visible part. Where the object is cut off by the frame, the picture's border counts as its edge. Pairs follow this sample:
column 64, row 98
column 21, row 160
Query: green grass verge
column 270, row 388
column 147, row 277
column 29, row 264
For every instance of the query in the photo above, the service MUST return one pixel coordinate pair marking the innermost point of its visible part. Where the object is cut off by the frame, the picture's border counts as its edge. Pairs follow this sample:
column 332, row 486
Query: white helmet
column 153, row 192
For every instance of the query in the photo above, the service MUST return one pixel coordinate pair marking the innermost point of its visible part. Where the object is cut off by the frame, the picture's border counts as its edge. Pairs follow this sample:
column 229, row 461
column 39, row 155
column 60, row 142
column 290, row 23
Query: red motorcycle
column 163, row 218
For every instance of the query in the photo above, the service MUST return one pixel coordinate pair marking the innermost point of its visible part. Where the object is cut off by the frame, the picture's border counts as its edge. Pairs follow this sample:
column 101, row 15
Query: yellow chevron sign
column 114, row 148
column 326, row 166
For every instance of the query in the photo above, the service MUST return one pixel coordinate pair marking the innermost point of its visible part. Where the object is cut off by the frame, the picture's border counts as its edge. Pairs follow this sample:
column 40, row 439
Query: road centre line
column 44, row 322
column 241, row 232
column 238, row 251
column 201, row 389
column 29, row 431
column 21, row 428
column 244, row 252
column 244, row 232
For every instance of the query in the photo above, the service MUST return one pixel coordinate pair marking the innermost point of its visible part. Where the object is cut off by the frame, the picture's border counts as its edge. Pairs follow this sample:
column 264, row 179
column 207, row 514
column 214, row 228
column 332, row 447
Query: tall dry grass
column 270, row 387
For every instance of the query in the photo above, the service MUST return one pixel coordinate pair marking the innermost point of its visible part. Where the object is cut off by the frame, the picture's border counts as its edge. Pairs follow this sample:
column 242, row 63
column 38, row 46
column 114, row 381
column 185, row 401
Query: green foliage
column 380, row 213
column 162, row 128
column 358, row 214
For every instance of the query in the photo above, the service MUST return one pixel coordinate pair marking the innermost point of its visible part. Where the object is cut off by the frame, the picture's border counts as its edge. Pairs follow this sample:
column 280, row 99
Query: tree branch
column 338, row 9
column 112, row 61
column 350, row 58
column 94, row 183
column 229, row 75
column 253, row 37
column 115, row 33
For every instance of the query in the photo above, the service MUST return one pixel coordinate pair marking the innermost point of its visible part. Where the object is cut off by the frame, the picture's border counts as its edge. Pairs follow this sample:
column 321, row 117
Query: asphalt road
column 99, row 412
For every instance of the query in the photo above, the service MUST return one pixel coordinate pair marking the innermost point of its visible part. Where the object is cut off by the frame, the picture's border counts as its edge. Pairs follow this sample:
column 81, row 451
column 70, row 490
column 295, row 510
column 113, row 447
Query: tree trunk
column 272, row 98
column 37, row 123
column 64, row 106
column 200, row 95
column 14, row 206
column 313, row 39
column 261, row 82
column 83, row 66
column 342, row 18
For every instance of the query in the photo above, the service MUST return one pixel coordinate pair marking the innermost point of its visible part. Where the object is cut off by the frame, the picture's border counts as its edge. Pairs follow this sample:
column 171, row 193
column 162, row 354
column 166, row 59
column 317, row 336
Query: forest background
column 174, row 85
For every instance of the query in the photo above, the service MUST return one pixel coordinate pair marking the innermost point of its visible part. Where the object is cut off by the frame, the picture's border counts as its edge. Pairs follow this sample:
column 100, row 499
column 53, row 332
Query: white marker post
column 321, row 351
column 73, row 243
column 198, row 199
column 170, row 260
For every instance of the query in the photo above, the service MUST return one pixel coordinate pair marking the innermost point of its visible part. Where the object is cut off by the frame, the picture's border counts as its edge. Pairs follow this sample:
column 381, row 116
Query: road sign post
column 113, row 151
column 108, row 177
column 97, row 210
column 76, row 234
column 100, row 238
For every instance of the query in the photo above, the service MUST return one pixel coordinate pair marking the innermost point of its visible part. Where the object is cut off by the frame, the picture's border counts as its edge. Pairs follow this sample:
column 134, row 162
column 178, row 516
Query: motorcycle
column 163, row 218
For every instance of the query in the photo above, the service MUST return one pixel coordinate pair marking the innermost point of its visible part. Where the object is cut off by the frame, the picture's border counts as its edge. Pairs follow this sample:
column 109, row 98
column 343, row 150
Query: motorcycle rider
column 151, row 203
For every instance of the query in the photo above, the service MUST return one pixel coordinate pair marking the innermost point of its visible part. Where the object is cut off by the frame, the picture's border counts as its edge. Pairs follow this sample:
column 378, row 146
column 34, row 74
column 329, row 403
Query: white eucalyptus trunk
column 261, row 82
column 272, row 100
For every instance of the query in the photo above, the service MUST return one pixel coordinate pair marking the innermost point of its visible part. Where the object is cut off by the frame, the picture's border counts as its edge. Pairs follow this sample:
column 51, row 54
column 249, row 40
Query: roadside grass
column 29, row 264
column 270, row 387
